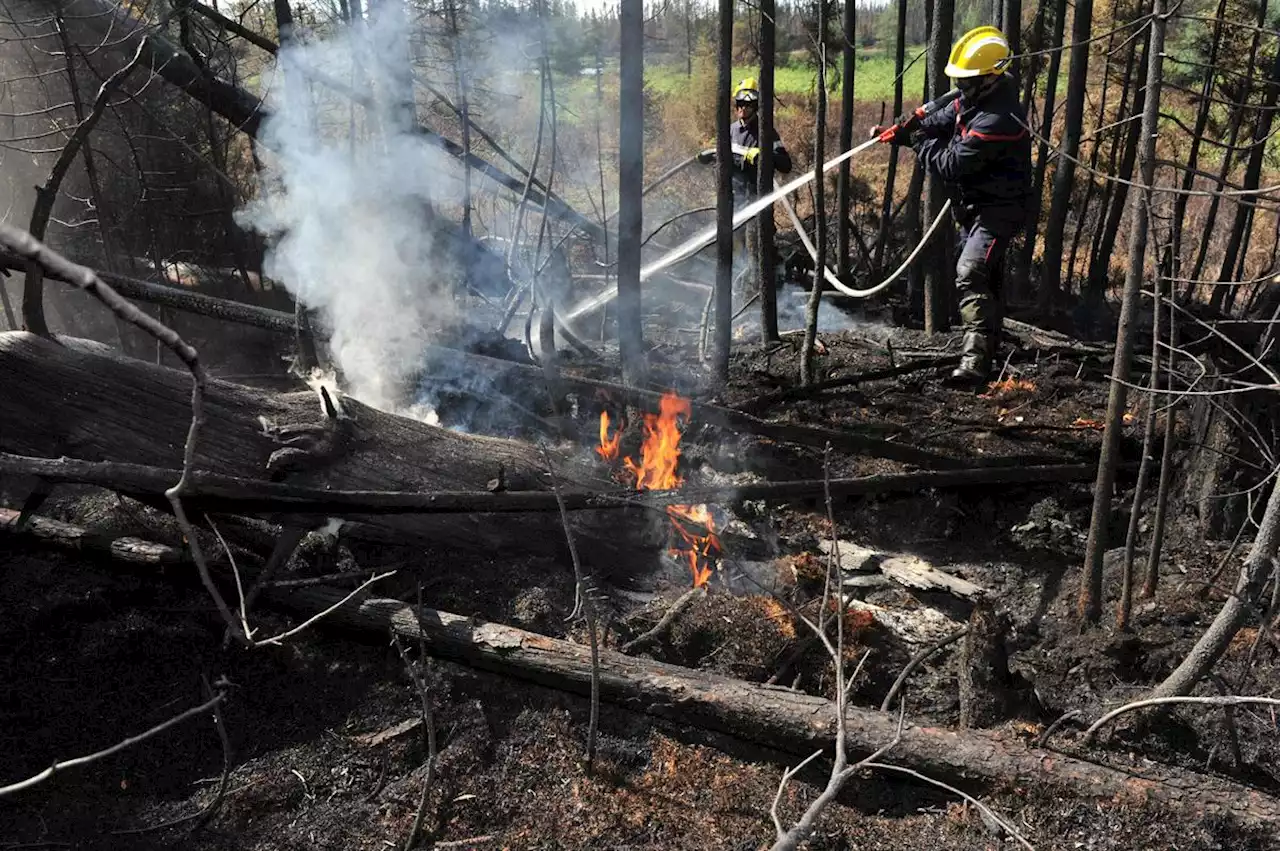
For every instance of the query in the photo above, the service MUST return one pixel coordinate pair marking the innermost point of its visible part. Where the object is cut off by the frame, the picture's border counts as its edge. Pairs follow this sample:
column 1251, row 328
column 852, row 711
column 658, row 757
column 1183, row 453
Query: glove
column 707, row 156
column 750, row 156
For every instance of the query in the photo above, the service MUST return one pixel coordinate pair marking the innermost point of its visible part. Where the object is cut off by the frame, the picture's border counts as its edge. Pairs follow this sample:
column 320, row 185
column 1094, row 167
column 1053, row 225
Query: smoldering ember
column 477, row 425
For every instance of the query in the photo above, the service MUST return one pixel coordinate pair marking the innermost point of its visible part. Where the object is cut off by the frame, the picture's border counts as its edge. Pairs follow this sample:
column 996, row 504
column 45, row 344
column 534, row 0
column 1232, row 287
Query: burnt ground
column 92, row 652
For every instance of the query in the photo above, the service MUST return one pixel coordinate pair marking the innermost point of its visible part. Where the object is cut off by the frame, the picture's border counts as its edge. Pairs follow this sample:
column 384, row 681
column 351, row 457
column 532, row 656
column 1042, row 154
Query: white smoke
column 355, row 235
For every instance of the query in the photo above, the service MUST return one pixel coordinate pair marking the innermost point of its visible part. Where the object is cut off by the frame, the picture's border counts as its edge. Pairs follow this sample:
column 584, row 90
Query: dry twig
column 53, row 769
column 1223, row 700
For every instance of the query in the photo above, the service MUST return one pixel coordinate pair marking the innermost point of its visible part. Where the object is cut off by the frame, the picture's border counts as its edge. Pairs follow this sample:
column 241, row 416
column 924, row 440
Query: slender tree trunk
column 1090, row 601
column 939, row 277
column 46, row 194
column 915, row 195
column 630, row 185
column 688, row 38
column 102, row 212
column 1011, row 24
column 1193, row 153
column 847, row 76
column 1144, row 469
column 1252, row 179
column 765, row 225
column 1064, row 177
column 604, row 198
column 1228, row 154
column 723, row 295
column 1095, row 151
column 886, row 209
column 1100, row 263
column 1046, row 131
column 1152, row 576
column 819, row 212
column 1109, row 189
column 460, row 77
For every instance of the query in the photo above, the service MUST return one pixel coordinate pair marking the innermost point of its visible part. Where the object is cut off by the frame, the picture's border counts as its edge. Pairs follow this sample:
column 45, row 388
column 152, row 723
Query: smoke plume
column 353, row 232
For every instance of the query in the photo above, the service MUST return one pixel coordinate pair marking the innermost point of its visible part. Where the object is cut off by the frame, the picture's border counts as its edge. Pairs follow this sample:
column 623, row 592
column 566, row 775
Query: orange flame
column 608, row 448
column 657, row 470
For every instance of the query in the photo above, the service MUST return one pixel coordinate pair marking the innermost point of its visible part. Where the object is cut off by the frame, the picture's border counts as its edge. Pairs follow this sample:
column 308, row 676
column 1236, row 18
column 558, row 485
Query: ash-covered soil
column 323, row 752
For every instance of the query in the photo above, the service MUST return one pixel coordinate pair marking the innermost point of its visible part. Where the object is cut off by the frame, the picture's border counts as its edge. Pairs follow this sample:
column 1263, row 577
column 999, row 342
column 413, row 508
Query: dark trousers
column 980, row 253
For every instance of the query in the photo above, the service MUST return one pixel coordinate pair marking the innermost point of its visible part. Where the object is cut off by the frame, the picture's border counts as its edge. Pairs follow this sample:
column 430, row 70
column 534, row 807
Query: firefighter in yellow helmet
column 979, row 146
column 744, row 136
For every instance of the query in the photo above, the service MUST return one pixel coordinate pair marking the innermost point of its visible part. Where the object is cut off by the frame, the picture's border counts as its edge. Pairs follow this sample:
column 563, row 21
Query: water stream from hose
column 705, row 237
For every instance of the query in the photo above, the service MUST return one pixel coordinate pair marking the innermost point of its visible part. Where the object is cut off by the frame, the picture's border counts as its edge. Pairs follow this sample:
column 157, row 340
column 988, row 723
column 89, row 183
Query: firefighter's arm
column 939, row 125
column 963, row 156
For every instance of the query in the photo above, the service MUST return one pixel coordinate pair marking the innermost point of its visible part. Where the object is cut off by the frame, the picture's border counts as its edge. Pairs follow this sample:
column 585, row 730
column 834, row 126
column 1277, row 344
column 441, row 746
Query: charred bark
column 1063, row 179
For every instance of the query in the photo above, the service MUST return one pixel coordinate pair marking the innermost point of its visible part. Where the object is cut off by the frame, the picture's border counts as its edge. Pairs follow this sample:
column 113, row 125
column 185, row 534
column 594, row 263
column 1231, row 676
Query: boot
column 975, row 361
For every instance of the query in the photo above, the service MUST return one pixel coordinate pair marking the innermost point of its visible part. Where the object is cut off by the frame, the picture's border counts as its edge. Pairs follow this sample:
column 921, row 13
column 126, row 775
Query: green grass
column 873, row 81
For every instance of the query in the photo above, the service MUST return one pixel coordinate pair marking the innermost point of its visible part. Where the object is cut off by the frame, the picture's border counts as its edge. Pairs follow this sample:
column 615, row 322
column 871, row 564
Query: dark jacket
column 746, row 134
column 983, row 152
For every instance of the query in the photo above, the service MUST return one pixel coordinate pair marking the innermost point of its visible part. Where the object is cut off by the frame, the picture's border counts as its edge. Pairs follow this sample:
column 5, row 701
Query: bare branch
column 1223, row 700
column 37, row 779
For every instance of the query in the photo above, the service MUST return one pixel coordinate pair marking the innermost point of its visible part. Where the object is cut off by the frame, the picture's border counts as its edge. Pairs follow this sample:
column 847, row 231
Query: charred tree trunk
column 1151, row 577
column 786, row 722
column 984, row 668
column 1252, row 178
column 1092, row 185
column 1011, row 24
column 1193, row 153
column 1064, row 177
column 1100, row 262
column 33, row 286
column 848, row 73
column 939, row 277
column 809, row 345
column 886, row 208
column 630, row 187
column 1046, row 131
column 765, row 225
column 723, row 294
column 1090, row 601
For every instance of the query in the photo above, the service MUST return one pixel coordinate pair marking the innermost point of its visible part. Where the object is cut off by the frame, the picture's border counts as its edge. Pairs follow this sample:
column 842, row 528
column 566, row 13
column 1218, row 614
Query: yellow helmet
column 747, row 90
column 980, row 51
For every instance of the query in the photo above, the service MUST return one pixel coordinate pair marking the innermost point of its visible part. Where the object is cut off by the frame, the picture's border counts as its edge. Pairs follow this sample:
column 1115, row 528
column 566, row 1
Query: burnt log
column 785, row 720
column 75, row 398
column 782, row 720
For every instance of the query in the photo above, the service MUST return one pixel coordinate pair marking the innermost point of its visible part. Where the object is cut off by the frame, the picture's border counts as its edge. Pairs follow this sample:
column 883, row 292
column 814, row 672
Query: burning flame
column 608, row 448
column 659, row 458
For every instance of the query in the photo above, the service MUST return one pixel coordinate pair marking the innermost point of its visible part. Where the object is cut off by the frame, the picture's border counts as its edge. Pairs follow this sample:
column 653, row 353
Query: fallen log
column 784, row 719
column 781, row 718
column 778, row 718
column 231, row 494
column 75, row 398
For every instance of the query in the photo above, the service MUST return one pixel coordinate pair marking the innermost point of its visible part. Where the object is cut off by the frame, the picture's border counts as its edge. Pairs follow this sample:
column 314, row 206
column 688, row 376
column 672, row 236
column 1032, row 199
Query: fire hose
column 702, row 239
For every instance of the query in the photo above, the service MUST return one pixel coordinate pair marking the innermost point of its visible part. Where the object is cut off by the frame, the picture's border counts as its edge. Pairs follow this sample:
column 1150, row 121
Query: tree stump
column 985, row 681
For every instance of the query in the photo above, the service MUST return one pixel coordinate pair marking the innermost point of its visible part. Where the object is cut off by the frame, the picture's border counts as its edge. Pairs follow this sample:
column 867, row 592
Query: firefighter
column 979, row 147
column 744, row 135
